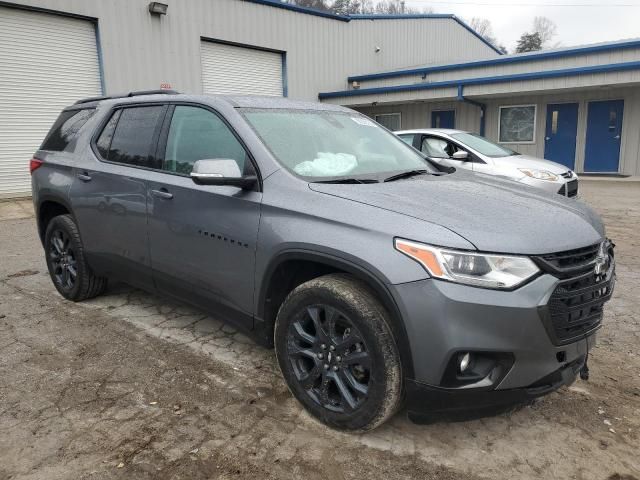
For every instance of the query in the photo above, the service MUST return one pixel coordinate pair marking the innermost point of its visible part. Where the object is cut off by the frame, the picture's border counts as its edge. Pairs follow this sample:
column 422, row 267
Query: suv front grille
column 575, row 307
column 569, row 263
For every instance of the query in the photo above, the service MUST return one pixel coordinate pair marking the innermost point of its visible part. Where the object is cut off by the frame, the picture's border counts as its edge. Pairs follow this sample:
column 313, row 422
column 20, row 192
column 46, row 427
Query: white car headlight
column 539, row 174
column 485, row 270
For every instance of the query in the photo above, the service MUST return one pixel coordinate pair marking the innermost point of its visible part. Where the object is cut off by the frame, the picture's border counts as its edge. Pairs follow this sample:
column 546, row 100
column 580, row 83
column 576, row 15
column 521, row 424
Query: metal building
column 53, row 52
column 578, row 106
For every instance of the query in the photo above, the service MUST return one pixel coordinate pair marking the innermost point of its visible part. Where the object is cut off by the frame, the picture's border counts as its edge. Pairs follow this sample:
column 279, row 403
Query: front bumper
column 443, row 319
column 565, row 186
column 428, row 403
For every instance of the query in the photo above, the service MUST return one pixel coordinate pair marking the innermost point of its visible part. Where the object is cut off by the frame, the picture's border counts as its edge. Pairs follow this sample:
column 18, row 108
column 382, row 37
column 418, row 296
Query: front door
column 604, row 132
column 202, row 238
column 443, row 119
column 561, row 132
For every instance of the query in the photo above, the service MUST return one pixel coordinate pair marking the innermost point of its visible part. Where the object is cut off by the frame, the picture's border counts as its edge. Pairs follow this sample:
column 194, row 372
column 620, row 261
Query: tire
column 337, row 354
column 66, row 263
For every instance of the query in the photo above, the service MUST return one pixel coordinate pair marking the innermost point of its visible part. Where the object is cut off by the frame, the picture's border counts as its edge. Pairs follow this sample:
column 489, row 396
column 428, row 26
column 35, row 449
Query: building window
column 517, row 124
column 389, row 120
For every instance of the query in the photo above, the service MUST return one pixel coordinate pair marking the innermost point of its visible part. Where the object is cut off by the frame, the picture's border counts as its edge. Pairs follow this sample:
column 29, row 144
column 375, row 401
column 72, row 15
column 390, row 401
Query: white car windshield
column 321, row 145
column 483, row 146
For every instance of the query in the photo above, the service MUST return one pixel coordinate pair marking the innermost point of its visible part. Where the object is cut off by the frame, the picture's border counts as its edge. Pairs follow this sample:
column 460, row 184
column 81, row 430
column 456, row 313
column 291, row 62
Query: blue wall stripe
column 565, row 72
column 501, row 60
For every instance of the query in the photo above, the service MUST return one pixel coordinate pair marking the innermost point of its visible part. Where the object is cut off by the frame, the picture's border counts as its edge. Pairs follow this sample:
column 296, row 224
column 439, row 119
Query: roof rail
column 126, row 95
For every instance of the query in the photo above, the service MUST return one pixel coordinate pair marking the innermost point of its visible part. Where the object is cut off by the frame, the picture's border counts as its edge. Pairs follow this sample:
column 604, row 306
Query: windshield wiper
column 407, row 174
column 348, row 180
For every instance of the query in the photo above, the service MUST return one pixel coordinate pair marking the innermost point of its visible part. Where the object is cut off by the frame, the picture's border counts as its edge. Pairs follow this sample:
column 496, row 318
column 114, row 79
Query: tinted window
column 133, row 138
column 104, row 141
column 198, row 134
column 65, row 130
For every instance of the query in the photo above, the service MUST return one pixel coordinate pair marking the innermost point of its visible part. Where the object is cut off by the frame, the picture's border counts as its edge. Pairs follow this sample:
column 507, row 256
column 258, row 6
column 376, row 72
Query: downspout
column 482, row 106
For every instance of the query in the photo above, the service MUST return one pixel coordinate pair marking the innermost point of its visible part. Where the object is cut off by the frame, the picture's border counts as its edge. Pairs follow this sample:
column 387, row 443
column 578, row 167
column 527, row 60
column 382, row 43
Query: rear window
column 64, row 132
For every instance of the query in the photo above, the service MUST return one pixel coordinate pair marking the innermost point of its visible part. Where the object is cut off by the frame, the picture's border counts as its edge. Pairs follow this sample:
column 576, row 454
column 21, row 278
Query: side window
column 435, row 147
column 128, row 137
column 198, row 134
column 64, row 132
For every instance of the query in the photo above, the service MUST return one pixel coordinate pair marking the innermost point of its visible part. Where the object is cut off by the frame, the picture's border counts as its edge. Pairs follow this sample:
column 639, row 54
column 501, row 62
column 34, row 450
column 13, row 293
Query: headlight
column 539, row 174
column 477, row 269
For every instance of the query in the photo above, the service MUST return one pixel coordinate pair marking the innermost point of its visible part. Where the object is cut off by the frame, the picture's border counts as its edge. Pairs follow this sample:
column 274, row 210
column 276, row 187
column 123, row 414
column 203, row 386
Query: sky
column 577, row 23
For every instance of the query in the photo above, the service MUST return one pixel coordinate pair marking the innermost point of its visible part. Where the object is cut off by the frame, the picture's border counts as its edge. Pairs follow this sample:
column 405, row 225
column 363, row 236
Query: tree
column 529, row 42
column 317, row 4
column 546, row 28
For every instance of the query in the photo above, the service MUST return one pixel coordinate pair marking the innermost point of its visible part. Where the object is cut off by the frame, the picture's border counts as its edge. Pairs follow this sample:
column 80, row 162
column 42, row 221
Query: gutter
column 481, row 106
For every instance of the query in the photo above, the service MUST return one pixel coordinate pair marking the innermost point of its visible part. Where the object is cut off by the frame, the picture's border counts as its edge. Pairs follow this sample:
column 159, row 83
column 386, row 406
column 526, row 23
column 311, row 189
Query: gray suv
column 379, row 276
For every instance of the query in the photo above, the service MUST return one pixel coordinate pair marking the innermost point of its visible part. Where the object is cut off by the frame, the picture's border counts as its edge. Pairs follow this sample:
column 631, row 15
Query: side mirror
column 221, row 171
column 461, row 155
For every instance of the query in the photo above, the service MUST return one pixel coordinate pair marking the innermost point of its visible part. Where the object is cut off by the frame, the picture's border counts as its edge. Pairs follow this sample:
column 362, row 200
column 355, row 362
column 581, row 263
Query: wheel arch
column 48, row 207
column 272, row 293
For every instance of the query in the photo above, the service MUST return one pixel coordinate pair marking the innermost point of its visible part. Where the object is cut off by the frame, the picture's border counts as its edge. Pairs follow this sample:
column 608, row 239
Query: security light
column 158, row 8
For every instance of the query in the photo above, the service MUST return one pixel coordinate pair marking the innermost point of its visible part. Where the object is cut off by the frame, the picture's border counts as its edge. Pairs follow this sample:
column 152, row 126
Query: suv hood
column 527, row 161
column 495, row 215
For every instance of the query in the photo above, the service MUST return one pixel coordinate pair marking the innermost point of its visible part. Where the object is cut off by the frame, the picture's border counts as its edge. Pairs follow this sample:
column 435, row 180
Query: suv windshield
column 483, row 146
column 322, row 145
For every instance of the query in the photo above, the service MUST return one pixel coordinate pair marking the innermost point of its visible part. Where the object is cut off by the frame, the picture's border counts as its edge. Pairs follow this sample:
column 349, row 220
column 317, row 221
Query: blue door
column 604, row 131
column 560, row 136
column 443, row 119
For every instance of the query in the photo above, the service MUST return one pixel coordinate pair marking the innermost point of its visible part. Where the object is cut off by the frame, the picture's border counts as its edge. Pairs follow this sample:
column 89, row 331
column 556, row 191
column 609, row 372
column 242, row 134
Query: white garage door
column 46, row 63
column 229, row 69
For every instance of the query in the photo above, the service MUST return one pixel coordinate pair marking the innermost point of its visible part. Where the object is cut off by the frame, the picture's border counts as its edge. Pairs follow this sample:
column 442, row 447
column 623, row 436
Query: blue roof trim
column 565, row 72
column 500, row 61
column 476, row 34
column 348, row 18
column 306, row 10
column 399, row 16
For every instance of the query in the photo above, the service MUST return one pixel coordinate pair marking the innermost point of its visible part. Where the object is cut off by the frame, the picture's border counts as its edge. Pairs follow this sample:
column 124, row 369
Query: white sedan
column 459, row 149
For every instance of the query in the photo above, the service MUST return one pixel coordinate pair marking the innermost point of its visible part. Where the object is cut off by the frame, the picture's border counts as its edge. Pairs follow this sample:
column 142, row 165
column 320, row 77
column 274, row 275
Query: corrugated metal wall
column 140, row 51
column 418, row 115
column 629, row 148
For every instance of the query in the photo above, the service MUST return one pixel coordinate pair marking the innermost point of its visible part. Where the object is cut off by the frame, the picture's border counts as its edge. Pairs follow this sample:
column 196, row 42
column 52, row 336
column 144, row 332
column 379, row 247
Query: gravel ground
column 131, row 385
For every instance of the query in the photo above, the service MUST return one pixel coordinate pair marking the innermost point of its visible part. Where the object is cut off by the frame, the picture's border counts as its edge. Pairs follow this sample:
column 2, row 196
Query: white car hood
column 527, row 161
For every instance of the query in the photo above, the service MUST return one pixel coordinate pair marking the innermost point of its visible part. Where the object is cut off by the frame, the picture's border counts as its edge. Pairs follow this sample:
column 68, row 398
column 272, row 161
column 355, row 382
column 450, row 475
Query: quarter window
column 199, row 134
column 64, row 132
column 129, row 136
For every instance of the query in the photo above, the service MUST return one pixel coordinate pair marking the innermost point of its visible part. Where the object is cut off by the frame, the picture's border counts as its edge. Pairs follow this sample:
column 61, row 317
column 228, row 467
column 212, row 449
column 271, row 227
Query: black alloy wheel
column 63, row 260
column 329, row 358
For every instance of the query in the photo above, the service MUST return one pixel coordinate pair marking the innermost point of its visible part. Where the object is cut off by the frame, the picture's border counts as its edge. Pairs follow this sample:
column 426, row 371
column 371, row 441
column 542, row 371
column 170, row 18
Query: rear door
column 109, row 193
column 203, row 238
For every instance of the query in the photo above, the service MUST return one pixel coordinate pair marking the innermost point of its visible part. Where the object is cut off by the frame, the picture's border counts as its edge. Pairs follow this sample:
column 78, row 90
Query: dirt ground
column 132, row 386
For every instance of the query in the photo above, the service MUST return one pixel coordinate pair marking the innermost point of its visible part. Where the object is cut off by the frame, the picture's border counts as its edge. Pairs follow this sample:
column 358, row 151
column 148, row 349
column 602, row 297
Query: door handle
column 547, row 138
column 617, row 137
column 84, row 176
column 162, row 193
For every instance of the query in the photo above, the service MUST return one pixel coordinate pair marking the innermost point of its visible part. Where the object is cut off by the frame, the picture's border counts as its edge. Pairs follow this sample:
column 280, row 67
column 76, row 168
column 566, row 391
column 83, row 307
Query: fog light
column 464, row 361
